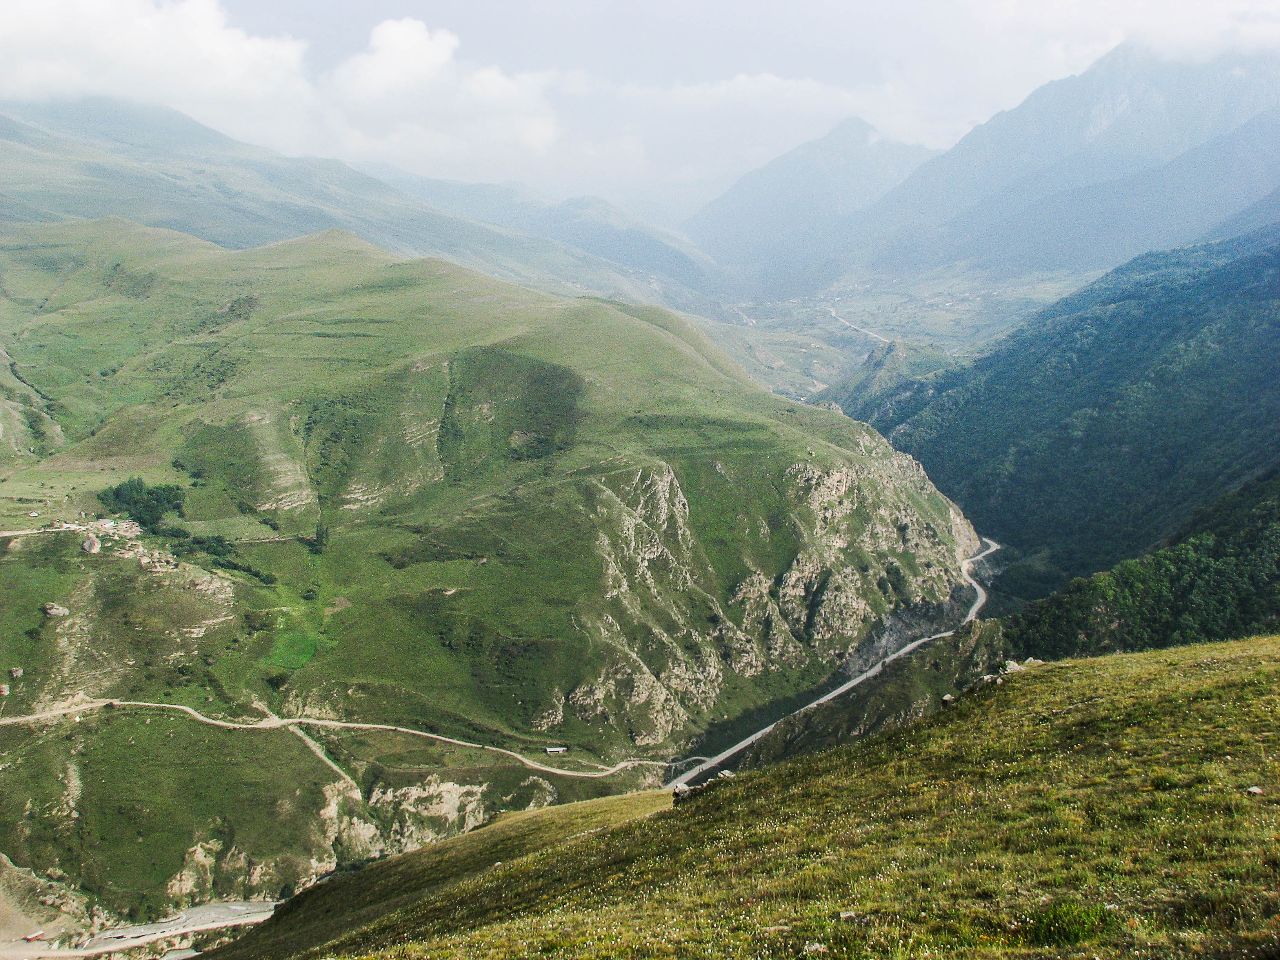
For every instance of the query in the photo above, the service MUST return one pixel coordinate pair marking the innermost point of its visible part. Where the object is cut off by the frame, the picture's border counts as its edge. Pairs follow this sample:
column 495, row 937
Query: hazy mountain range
column 97, row 158
column 1137, row 152
column 343, row 511
column 774, row 218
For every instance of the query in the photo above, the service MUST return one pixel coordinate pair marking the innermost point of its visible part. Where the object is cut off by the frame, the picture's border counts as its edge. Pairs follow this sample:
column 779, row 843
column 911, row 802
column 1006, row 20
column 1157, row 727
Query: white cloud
column 183, row 54
column 920, row 70
column 1180, row 28
column 406, row 97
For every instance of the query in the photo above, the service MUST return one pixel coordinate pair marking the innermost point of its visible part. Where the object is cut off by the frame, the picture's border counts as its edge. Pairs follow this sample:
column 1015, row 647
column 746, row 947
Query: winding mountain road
column 966, row 569
column 273, row 722
column 217, row 916
column 280, row 723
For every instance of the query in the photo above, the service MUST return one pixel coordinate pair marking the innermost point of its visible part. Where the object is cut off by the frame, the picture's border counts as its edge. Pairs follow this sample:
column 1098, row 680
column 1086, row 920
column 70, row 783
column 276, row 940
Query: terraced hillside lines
column 448, row 512
column 287, row 485
column 1101, row 807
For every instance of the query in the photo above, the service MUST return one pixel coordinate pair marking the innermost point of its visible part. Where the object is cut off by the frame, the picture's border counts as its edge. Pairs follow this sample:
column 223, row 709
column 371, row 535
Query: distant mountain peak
column 121, row 123
column 769, row 209
column 853, row 128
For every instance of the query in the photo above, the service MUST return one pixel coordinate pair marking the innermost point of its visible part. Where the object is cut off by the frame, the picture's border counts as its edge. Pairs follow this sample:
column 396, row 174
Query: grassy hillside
column 1086, row 808
column 101, row 158
column 416, row 496
column 1102, row 425
column 367, row 896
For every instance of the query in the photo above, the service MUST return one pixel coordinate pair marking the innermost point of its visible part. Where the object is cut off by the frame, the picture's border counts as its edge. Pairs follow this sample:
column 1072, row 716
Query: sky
column 655, row 104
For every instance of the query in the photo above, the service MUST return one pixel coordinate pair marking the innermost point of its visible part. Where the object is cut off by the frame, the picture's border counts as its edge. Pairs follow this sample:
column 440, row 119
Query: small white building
column 557, row 749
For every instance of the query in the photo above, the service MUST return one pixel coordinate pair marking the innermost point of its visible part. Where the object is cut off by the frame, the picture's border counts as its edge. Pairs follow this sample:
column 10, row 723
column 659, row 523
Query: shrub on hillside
column 143, row 504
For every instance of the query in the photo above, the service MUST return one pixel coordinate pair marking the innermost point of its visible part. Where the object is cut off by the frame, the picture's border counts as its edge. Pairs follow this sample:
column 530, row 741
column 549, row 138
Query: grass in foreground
column 1087, row 808
column 338, row 905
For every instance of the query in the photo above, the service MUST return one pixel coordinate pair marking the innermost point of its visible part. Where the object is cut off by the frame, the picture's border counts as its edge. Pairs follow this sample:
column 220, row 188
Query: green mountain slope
column 1219, row 579
column 1100, row 426
column 344, row 902
column 590, row 224
column 105, row 158
column 1093, row 808
column 415, row 496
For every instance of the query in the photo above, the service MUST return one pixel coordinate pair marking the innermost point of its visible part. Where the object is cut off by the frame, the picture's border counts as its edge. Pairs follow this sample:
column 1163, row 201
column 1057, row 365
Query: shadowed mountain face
column 412, row 495
column 1103, row 423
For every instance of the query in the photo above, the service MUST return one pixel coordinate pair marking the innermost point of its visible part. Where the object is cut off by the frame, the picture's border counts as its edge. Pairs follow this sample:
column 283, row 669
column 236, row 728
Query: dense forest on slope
column 1103, row 424
column 1219, row 580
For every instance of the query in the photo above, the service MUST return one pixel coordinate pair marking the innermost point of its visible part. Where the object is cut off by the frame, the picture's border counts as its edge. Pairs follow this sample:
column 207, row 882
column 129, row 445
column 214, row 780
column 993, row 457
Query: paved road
column 211, row 916
column 273, row 722
column 854, row 326
column 966, row 568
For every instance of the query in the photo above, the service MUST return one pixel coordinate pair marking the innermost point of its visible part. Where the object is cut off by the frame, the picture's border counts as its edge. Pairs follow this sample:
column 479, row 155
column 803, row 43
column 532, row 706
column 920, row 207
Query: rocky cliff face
column 868, row 544
column 414, row 497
